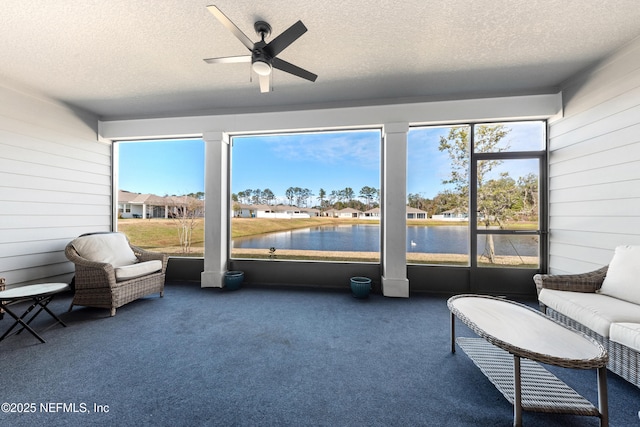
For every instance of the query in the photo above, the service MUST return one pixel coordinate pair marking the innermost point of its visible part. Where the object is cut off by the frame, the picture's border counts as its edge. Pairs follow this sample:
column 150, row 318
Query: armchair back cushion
column 111, row 248
column 623, row 277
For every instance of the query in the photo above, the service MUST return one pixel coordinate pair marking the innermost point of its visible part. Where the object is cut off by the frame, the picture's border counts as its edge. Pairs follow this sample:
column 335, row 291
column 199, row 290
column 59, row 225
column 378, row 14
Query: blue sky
column 161, row 167
column 329, row 160
column 332, row 161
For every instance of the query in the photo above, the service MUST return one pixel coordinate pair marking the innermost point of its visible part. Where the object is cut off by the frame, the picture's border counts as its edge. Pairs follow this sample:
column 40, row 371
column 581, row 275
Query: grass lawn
column 161, row 235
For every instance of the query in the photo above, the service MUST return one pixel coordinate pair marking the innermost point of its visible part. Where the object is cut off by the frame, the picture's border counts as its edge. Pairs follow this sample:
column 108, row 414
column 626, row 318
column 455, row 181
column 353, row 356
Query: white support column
column 394, row 205
column 216, row 211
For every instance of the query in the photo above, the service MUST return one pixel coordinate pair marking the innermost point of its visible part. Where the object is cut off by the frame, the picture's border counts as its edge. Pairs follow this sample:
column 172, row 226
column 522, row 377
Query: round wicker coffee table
column 510, row 332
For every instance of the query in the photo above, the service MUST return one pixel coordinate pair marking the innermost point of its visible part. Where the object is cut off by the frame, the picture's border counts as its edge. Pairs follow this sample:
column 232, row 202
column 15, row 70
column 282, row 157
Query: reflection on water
column 438, row 240
column 356, row 237
column 366, row 238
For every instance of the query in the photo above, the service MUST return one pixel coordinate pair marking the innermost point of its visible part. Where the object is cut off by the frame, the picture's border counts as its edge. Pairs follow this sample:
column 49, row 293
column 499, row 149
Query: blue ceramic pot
column 360, row 287
column 233, row 280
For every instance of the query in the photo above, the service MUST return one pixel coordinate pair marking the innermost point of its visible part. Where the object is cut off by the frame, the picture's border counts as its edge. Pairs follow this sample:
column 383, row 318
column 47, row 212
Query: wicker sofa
column 604, row 304
column 110, row 272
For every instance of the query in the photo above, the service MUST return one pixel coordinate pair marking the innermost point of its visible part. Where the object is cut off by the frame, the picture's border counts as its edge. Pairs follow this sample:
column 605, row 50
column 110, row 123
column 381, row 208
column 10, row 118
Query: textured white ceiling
column 143, row 58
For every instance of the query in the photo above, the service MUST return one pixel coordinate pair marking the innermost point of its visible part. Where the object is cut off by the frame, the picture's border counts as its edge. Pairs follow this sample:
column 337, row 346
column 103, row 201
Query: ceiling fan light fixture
column 261, row 68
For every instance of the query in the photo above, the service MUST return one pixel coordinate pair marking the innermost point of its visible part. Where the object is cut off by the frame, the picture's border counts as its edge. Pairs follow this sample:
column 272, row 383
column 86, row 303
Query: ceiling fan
column 263, row 57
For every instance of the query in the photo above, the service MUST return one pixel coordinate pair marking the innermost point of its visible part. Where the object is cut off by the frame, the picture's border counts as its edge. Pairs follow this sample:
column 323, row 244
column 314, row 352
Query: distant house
column 240, row 210
column 348, row 213
column 412, row 213
column 331, row 213
column 451, row 215
column 175, row 206
column 415, row 213
column 136, row 205
column 284, row 211
column 371, row 214
column 312, row 212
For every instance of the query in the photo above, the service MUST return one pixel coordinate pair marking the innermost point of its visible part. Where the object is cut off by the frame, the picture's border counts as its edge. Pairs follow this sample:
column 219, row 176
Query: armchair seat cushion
column 127, row 272
column 110, row 248
column 627, row 334
column 593, row 310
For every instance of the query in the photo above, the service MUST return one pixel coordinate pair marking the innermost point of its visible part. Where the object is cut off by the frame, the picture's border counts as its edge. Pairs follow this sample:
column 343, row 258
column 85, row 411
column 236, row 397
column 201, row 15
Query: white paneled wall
column 594, row 165
column 55, row 183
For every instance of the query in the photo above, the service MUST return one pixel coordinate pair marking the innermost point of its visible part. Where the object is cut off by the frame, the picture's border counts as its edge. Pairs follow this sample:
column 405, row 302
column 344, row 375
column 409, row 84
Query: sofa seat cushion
column 627, row 334
column 595, row 311
column 111, row 248
column 140, row 269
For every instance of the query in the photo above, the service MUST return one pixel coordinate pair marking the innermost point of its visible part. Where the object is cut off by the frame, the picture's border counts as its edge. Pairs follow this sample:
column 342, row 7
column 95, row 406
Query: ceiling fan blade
column 228, row 59
column 231, row 26
column 265, row 83
column 293, row 69
column 287, row 37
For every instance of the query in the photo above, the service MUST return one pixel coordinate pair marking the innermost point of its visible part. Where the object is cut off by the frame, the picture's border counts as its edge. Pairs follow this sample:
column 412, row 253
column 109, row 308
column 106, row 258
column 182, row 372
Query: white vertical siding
column 594, row 165
column 55, row 183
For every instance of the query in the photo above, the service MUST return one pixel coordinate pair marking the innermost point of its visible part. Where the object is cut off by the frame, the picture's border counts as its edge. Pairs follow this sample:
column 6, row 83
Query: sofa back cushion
column 623, row 276
column 112, row 248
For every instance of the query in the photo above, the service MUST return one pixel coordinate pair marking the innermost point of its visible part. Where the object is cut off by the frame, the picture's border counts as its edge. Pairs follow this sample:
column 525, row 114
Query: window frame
column 474, row 157
column 541, row 232
column 379, row 218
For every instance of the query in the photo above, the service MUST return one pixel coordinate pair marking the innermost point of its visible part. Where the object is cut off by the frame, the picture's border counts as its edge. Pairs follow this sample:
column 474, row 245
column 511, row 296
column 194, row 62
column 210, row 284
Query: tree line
column 197, row 195
column 366, row 198
column 500, row 199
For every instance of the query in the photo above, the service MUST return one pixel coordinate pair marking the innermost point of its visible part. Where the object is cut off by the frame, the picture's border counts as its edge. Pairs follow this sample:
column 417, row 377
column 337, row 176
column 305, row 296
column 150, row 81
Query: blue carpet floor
column 264, row 357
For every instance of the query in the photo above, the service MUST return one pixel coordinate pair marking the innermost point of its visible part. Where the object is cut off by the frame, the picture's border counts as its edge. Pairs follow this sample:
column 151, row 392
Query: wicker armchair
column 110, row 272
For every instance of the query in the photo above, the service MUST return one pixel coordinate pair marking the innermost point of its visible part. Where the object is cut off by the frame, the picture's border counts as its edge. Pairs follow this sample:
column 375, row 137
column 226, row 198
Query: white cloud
column 329, row 148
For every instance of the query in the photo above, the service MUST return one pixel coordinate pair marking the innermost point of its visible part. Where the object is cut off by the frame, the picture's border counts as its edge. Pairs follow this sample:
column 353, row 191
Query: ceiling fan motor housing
column 260, row 60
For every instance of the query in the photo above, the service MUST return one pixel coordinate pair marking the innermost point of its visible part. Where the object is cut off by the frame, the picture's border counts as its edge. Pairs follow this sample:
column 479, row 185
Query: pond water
column 366, row 238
